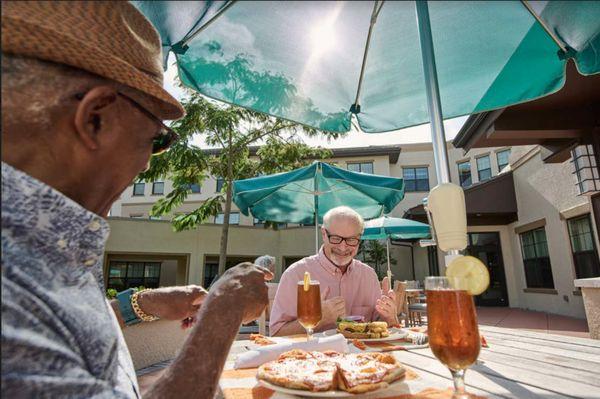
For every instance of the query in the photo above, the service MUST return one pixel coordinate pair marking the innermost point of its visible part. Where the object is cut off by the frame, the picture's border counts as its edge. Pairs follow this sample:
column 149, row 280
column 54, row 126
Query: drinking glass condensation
column 309, row 306
column 452, row 327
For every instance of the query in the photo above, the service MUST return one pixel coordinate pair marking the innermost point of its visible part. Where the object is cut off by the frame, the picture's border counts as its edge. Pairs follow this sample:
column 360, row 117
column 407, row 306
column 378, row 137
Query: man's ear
column 93, row 114
column 323, row 234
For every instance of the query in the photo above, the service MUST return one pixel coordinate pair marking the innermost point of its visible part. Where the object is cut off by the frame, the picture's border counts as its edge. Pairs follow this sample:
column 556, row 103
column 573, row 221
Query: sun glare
column 322, row 36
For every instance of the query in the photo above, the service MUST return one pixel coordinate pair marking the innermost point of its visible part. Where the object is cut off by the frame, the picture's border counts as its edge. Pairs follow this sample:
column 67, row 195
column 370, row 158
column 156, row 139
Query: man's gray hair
column 36, row 87
column 343, row 212
column 265, row 261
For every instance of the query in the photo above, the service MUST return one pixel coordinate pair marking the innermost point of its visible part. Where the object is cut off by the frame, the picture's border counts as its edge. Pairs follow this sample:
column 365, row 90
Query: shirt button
column 62, row 244
column 94, row 225
column 90, row 262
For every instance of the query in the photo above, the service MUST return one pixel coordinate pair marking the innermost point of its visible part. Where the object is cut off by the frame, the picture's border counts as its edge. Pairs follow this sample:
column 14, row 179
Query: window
column 234, row 218
column 536, row 260
column 220, row 182
column 586, row 172
column 484, row 168
column 258, row 222
column 211, row 270
column 158, row 188
column 583, row 247
column 123, row 275
column 138, row 188
column 195, row 187
column 415, row 179
column 464, row 174
column 502, row 158
column 363, row 167
column 136, row 215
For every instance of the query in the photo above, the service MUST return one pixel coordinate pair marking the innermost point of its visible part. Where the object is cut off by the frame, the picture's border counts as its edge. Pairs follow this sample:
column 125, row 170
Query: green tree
column 232, row 130
column 375, row 253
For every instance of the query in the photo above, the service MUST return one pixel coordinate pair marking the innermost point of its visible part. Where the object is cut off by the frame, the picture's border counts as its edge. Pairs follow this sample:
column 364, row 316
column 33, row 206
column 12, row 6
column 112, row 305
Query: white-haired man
column 348, row 286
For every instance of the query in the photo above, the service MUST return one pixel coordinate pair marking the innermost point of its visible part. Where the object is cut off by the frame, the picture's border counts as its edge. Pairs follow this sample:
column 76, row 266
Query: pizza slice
column 365, row 372
column 298, row 369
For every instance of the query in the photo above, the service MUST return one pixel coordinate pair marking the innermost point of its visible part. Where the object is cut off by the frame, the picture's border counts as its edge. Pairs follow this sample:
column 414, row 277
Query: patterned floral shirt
column 60, row 337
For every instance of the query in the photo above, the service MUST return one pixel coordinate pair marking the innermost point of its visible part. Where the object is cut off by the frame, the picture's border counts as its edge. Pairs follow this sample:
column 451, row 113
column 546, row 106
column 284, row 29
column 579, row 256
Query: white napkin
column 256, row 357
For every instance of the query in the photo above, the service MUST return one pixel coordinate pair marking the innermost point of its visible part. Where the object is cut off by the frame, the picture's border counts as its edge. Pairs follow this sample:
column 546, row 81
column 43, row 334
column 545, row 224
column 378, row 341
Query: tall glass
column 309, row 306
column 452, row 327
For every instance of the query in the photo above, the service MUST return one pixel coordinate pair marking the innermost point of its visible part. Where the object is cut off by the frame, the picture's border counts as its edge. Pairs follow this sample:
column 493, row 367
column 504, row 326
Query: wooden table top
column 517, row 364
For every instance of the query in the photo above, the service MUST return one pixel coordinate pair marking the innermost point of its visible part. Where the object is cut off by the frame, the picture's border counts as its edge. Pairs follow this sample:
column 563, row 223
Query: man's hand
column 173, row 303
column 245, row 285
column 386, row 305
column 332, row 309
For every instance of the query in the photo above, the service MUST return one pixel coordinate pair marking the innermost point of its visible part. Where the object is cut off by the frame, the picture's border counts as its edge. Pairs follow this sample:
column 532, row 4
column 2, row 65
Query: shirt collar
column 329, row 266
column 40, row 216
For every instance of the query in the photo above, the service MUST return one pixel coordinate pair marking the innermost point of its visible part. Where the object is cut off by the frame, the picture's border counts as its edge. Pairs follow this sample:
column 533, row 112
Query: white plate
column 325, row 394
column 395, row 334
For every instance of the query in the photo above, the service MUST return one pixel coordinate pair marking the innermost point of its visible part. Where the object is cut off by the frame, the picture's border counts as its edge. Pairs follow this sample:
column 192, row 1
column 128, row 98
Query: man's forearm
column 196, row 370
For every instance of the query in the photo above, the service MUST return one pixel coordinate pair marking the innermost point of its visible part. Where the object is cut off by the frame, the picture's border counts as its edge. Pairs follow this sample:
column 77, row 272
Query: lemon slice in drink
column 474, row 273
column 306, row 281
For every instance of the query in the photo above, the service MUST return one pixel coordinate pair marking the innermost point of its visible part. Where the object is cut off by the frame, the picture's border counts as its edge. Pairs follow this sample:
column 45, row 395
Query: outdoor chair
column 263, row 320
column 416, row 309
column 401, row 304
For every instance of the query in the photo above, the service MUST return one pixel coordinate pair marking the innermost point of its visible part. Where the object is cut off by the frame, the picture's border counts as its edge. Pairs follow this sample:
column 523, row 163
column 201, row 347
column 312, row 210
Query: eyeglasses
column 164, row 139
column 351, row 241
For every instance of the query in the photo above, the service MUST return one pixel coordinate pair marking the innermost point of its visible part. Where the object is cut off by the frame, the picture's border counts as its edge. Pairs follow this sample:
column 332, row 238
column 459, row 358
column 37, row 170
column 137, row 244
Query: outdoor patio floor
column 533, row 321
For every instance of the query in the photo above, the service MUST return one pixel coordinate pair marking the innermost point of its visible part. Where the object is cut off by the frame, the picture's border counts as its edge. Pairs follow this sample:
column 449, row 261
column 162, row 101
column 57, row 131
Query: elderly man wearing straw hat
column 82, row 111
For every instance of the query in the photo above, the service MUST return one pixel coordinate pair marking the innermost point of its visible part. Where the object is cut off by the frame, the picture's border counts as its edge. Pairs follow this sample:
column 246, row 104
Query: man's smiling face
column 341, row 254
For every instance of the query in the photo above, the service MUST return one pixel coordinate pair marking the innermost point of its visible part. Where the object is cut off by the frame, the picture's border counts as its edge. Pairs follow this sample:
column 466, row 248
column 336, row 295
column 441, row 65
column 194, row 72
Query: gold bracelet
column 138, row 311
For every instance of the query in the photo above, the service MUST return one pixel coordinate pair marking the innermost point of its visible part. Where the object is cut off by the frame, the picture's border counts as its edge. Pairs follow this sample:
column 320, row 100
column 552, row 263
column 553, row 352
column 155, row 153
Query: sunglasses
column 164, row 139
column 351, row 241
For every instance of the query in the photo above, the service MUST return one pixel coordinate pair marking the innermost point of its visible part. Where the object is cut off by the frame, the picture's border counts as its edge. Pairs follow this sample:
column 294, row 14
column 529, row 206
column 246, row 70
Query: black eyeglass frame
column 339, row 239
column 166, row 137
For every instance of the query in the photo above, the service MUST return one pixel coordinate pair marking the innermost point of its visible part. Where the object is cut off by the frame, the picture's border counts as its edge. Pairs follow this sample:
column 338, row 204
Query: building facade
column 527, row 221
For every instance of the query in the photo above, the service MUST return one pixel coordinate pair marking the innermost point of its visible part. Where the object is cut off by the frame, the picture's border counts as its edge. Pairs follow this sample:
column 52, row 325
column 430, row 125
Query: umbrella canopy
column 395, row 228
column 296, row 196
column 317, row 63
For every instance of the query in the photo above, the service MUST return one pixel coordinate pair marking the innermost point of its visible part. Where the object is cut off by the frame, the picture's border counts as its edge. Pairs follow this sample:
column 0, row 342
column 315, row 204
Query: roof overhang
column 391, row 151
column 492, row 202
column 558, row 122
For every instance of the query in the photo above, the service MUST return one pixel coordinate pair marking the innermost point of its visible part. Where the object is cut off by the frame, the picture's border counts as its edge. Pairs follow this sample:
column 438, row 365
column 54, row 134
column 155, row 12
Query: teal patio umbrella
column 387, row 227
column 304, row 195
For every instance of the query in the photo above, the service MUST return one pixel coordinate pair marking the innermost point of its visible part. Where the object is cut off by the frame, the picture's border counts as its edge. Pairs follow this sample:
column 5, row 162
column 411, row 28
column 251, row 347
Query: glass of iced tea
column 452, row 327
column 309, row 306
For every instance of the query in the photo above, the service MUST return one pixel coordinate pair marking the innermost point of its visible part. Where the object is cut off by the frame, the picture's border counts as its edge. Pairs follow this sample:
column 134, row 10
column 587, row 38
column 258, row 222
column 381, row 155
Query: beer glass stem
column 459, row 384
column 309, row 334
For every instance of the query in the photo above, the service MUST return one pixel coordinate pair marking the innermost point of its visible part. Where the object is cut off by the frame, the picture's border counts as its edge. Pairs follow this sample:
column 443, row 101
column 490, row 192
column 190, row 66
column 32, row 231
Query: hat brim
column 23, row 38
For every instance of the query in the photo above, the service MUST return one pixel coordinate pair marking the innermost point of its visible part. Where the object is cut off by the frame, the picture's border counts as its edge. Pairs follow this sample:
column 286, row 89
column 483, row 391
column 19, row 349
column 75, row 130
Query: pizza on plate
column 330, row 370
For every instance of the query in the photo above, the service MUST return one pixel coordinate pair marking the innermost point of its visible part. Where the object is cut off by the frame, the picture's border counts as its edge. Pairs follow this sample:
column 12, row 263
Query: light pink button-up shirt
column 359, row 287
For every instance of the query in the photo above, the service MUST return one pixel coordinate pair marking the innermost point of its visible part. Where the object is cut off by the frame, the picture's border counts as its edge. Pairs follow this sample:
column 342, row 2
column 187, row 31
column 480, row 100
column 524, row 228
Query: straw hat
column 110, row 39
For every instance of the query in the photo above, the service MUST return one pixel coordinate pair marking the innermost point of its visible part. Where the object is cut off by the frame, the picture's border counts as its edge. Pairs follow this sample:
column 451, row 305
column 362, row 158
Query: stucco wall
column 543, row 192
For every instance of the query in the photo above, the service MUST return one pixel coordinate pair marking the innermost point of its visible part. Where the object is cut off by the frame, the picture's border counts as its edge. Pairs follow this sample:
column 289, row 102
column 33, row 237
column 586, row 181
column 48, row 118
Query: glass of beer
column 452, row 327
column 309, row 306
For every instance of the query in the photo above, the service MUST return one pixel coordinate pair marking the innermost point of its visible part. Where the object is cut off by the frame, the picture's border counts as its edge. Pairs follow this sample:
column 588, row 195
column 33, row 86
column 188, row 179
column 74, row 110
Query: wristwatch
column 127, row 312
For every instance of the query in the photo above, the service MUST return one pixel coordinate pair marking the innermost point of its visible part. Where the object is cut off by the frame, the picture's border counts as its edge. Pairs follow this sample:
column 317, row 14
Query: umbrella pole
column 438, row 137
column 434, row 105
column 389, row 270
column 316, row 194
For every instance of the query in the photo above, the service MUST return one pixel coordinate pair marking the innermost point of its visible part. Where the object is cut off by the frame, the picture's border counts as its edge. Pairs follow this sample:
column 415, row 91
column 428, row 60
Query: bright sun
column 322, row 36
